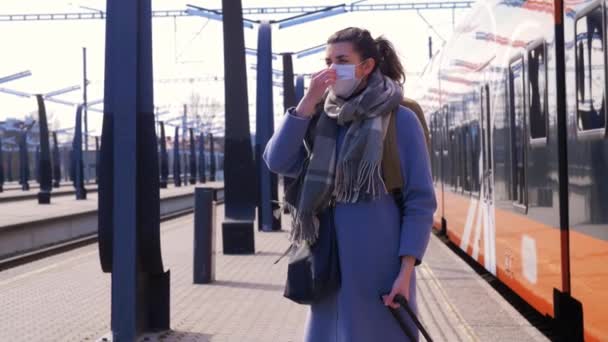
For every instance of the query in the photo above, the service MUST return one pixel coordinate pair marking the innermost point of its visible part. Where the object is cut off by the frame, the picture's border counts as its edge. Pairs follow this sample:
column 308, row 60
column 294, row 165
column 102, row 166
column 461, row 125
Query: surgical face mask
column 346, row 81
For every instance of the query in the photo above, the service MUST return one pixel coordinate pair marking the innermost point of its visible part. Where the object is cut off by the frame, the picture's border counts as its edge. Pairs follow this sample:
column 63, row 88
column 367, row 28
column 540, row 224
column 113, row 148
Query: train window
column 537, row 91
column 590, row 72
column 476, row 152
column 517, row 128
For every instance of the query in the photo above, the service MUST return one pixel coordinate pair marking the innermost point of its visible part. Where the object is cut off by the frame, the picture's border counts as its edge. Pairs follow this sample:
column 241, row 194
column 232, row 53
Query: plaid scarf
column 356, row 174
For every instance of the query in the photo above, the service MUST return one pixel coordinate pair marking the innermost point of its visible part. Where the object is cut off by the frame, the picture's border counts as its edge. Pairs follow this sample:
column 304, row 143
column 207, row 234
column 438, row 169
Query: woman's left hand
column 401, row 285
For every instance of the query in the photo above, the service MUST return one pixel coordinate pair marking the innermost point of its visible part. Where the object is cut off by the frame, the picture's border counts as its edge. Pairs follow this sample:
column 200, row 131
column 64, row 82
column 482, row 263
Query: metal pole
column 568, row 311
column 44, row 162
column 164, row 158
column 177, row 169
column 292, row 96
column 204, row 236
column 264, row 129
column 237, row 229
column 430, row 47
column 140, row 286
column 1, row 167
column 192, row 160
column 97, row 160
column 23, row 162
column 289, row 90
column 78, row 162
column 202, row 168
column 185, row 122
column 299, row 88
column 85, row 110
column 56, row 163
column 212, row 163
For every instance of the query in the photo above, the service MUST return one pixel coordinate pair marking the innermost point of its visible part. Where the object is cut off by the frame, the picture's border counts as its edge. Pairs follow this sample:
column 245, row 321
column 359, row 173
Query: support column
column 56, row 162
column 299, row 89
column 77, row 163
column 237, row 227
column 266, row 181
column 44, row 162
column 129, row 177
column 289, row 91
column 37, row 164
column 192, row 162
column 9, row 166
column 289, row 98
column 202, row 168
column 24, row 165
column 96, row 160
column 164, row 158
column 212, row 162
column 1, row 167
column 85, row 102
column 177, row 168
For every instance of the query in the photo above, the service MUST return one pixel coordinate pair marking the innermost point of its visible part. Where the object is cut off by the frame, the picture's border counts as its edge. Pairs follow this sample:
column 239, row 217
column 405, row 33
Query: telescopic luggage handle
column 395, row 312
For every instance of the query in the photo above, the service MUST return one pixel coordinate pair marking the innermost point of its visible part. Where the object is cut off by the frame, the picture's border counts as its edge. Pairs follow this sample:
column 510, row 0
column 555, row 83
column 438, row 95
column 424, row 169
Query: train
column 515, row 101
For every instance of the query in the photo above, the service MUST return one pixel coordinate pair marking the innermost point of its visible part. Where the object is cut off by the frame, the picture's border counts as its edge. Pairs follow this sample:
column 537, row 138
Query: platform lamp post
column 44, row 161
column 164, row 158
column 129, row 211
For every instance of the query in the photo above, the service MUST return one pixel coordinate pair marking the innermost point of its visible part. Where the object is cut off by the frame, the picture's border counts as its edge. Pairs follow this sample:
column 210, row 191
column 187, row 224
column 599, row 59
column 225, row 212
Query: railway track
column 24, row 258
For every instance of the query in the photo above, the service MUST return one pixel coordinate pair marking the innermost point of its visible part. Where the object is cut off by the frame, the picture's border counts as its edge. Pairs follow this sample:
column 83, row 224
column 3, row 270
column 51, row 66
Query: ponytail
column 381, row 50
column 388, row 60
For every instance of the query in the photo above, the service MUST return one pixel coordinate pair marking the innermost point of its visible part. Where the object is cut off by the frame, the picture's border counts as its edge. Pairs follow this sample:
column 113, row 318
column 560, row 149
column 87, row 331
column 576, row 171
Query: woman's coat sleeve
column 285, row 152
column 418, row 190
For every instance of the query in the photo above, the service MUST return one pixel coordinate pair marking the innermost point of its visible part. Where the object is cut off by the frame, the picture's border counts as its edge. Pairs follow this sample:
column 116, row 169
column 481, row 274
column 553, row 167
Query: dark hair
column 381, row 50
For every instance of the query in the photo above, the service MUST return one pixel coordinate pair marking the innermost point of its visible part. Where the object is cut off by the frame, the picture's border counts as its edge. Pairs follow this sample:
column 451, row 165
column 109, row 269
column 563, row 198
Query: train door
column 486, row 147
column 487, row 182
column 517, row 123
column 588, row 167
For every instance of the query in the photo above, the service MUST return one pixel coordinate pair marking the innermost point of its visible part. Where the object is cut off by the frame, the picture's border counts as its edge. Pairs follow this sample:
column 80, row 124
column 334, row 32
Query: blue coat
column 370, row 239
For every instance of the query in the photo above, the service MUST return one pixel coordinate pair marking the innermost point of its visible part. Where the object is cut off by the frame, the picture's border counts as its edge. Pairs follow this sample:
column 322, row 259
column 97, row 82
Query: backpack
column 391, row 168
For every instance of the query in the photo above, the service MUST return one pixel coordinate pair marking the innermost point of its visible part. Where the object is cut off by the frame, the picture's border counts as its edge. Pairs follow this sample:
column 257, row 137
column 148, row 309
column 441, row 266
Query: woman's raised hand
column 318, row 85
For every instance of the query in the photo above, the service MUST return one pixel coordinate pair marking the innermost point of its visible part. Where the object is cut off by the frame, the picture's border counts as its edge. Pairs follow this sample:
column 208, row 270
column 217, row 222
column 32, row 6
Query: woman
column 344, row 117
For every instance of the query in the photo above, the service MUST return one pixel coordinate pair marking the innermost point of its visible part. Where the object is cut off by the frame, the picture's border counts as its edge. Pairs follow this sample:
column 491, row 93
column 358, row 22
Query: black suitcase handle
column 399, row 299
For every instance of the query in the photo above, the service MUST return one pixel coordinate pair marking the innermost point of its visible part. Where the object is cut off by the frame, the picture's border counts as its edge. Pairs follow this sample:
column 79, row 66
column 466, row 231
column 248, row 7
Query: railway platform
column 12, row 193
column 66, row 297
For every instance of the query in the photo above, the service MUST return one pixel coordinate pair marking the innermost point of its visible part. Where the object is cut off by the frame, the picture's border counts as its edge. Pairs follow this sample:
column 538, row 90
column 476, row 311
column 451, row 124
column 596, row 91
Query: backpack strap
column 391, row 164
